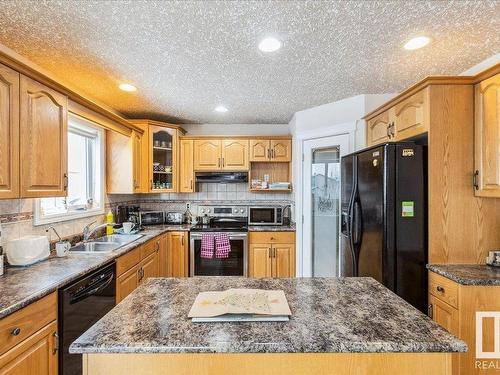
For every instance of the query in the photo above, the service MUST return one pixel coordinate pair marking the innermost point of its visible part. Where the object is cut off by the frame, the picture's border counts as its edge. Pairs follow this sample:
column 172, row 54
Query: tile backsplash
column 16, row 215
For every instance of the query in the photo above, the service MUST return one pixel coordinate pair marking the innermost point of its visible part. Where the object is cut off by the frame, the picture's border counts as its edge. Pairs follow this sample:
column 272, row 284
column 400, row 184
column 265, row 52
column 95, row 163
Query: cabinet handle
column 388, row 131
column 269, row 153
column 273, row 156
column 151, row 184
column 56, row 343
column 475, row 180
column 16, row 331
column 429, row 310
column 157, row 246
column 191, row 184
column 222, row 162
column 440, row 289
column 182, row 240
column 270, row 253
column 66, row 181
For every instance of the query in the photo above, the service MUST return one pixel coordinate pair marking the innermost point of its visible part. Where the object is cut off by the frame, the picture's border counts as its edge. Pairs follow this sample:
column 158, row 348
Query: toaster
column 175, row 218
column 27, row 250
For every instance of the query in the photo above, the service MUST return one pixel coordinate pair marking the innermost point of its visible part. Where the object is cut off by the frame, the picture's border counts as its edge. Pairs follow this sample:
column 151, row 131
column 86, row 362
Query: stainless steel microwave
column 262, row 215
column 151, row 217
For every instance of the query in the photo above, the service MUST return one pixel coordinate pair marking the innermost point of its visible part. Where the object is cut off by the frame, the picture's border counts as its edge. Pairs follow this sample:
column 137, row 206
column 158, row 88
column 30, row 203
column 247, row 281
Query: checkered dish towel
column 207, row 245
column 222, row 245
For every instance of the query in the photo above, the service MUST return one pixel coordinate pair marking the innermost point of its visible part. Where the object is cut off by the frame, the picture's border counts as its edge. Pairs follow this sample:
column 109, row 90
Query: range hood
column 222, row 177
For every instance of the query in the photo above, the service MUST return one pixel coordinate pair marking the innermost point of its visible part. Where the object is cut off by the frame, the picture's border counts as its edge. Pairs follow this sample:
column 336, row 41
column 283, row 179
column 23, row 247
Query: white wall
column 483, row 65
column 236, row 129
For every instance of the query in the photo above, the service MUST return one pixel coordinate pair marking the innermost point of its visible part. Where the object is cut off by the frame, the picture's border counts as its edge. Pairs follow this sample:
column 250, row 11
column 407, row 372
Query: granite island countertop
column 468, row 274
column 20, row 286
column 329, row 315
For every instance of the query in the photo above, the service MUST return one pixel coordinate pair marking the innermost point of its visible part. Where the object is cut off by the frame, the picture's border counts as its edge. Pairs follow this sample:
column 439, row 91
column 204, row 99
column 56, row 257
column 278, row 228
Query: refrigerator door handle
column 357, row 224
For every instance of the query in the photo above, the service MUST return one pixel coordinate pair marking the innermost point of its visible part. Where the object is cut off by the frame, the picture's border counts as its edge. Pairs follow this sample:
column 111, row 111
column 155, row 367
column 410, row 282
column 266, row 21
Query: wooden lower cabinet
column 163, row 256
column 461, row 320
column 271, row 254
column 37, row 355
column 127, row 283
column 445, row 315
column 259, row 260
column 136, row 266
column 29, row 341
column 177, row 254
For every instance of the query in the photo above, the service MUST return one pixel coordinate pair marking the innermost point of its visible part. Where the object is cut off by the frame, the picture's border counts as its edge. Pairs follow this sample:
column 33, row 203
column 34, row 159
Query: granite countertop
column 468, row 274
column 20, row 286
column 271, row 228
column 329, row 315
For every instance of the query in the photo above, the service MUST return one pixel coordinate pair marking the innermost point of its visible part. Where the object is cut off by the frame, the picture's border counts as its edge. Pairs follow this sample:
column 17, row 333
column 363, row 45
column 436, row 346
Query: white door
column 321, row 204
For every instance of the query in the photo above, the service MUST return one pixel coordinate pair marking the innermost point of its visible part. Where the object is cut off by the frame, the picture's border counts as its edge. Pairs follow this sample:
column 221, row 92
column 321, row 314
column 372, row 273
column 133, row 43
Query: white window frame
column 38, row 219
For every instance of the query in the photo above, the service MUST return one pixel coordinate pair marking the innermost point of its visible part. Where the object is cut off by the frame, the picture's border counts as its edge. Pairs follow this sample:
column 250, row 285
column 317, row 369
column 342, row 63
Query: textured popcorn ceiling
column 188, row 57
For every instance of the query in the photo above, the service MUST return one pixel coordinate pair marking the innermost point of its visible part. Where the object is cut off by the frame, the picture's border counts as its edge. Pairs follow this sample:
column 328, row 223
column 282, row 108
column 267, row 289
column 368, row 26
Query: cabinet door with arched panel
column 9, row 133
column 44, row 140
column 235, row 155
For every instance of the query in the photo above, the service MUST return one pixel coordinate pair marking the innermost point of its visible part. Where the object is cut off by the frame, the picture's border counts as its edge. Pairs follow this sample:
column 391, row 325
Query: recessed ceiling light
column 416, row 43
column 220, row 109
column 270, row 44
column 127, row 87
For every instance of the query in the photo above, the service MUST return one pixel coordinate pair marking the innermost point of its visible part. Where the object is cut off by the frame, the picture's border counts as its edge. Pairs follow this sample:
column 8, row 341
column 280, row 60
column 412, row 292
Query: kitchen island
column 341, row 326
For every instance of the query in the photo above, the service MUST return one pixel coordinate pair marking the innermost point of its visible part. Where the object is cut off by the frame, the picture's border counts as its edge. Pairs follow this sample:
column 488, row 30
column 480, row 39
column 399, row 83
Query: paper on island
column 240, row 301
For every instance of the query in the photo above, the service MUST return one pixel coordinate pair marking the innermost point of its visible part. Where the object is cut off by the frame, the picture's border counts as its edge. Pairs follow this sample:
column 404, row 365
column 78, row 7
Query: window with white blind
column 85, row 176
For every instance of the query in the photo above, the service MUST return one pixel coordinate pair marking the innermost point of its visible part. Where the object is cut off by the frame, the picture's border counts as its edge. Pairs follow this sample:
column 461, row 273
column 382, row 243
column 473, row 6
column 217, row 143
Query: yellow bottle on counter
column 109, row 220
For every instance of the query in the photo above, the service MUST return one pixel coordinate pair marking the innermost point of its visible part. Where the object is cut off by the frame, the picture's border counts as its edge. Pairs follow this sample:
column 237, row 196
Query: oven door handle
column 198, row 236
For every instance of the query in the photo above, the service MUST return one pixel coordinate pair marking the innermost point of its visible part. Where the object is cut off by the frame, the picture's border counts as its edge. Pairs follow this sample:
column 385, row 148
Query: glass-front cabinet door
column 163, row 159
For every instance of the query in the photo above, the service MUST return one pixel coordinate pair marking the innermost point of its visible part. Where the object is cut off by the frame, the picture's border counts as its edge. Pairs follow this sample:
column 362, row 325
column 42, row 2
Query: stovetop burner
column 223, row 219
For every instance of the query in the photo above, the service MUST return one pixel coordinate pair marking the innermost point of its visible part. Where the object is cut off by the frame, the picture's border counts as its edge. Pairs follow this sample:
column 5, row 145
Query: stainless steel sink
column 96, row 247
column 120, row 238
column 106, row 244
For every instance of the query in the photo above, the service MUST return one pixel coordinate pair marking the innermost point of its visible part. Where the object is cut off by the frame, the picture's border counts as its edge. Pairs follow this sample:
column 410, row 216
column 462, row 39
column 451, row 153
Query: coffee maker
column 126, row 213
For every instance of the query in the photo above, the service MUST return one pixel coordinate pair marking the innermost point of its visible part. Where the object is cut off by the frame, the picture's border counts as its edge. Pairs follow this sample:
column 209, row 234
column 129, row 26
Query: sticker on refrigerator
column 408, row 209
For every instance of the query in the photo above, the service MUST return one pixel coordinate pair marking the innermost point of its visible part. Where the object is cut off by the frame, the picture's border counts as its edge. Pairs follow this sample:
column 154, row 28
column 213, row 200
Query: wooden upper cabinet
column 137, row 162
column 260, row 261
column 125, row 151
column 9, row 133
column 207, row 154
column 234, row 155
column 186, row 179
column 281, row 150
column 44, row 134
column 162, row 158
column 411, row 116
column 487, row 137
column 259, row 150
column 378, row 129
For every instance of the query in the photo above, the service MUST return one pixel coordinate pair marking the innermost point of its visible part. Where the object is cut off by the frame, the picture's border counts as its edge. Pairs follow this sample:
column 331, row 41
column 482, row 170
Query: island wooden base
column 267, row 364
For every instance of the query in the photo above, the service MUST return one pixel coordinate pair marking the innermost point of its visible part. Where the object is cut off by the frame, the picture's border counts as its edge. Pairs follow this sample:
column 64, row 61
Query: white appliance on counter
column 27, row 250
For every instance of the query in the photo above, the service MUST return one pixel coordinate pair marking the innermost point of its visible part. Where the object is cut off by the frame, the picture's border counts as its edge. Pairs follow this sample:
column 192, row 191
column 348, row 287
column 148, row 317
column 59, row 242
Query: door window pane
column 325, row 190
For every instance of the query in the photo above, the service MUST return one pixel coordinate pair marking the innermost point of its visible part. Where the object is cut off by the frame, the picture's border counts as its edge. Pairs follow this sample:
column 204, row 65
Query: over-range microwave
column 262, row 215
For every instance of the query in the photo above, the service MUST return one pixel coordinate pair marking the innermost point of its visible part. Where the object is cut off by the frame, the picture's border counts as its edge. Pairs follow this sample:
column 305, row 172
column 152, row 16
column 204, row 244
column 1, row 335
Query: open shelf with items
column 274, row 171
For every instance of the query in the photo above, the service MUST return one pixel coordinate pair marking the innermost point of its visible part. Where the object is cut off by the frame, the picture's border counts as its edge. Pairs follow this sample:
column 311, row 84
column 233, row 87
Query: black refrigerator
column 384, row 218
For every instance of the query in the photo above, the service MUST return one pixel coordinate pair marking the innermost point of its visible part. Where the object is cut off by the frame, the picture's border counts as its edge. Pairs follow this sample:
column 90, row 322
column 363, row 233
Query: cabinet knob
column 16, row 331
column 440, row 289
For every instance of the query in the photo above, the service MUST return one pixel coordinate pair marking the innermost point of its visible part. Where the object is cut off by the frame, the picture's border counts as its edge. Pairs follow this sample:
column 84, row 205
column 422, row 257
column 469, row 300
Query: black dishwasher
column 81, row 304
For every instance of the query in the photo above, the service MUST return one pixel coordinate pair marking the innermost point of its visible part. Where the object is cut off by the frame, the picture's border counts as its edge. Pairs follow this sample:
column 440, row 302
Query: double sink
column 105, row 244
